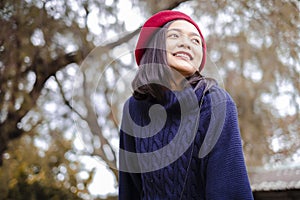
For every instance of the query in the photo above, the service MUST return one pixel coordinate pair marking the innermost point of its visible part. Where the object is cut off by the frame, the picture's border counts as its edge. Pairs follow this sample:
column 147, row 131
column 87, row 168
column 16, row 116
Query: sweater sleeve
column 129, row 183
column 226, row 174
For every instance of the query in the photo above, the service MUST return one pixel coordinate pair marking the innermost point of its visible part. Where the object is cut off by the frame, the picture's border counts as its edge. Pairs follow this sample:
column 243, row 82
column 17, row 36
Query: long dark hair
column 155, row 76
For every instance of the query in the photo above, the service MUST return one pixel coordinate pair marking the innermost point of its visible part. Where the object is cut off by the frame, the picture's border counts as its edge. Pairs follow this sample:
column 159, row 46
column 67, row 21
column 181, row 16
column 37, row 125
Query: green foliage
column 35, row 191
column 31, row 174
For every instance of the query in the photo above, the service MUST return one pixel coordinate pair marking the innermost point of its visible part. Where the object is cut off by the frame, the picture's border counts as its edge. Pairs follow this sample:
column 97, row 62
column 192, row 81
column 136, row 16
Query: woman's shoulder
column 215, row 95
column 220, row 94
column 136, row 105
column 132, row 100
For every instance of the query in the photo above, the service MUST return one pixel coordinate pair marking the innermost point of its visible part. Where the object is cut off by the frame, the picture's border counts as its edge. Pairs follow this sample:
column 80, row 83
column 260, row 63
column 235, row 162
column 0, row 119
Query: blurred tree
column 65, row 68
column 31, row 173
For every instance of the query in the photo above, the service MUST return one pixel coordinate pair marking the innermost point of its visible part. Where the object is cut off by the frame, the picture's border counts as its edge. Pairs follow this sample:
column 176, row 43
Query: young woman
column 179, row 137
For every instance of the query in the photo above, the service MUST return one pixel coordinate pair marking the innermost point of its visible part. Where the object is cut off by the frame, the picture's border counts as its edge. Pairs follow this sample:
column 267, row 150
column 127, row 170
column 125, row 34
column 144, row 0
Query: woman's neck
column 176, row 84
column 178, row 81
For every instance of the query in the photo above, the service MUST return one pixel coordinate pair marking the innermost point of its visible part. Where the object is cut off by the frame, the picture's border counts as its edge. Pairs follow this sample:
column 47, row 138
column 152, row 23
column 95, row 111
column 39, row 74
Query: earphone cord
column 191, row 156
column 187, row 170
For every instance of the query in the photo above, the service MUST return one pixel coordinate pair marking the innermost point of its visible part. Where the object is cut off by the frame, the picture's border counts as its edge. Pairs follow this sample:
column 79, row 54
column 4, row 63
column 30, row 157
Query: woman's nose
column 184, row 42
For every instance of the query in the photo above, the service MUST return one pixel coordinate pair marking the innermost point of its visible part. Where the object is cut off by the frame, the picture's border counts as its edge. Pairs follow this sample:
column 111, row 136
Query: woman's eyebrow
column 179, row 30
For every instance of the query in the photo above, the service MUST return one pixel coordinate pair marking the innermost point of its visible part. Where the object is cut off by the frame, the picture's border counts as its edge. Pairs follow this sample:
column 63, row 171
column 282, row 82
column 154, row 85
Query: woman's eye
column 197, row 41
column 173, row 35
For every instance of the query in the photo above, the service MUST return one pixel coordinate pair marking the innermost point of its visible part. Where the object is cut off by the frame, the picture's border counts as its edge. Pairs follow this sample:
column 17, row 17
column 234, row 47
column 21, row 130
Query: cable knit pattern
column 221, row 175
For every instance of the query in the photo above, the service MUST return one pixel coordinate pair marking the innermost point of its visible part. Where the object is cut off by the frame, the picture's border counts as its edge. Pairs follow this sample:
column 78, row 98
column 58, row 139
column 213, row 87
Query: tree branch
column 67, row 102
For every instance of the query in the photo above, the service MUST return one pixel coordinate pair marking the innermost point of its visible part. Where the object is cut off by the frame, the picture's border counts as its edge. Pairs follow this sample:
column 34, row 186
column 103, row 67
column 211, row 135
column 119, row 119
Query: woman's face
column 184, row 47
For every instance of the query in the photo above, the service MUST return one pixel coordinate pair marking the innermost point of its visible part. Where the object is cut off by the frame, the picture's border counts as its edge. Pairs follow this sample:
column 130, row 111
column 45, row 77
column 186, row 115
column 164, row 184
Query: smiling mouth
column 183, row 55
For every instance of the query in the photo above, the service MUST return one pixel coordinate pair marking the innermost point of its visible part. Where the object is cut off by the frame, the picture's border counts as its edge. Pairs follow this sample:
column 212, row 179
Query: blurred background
column 65, row 72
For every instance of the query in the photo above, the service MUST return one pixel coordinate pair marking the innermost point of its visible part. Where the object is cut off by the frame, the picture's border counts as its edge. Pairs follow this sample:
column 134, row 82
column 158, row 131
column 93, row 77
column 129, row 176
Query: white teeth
column 182, row 55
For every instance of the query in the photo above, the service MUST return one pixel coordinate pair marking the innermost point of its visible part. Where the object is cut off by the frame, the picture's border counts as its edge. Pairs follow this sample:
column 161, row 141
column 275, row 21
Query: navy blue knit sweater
column 219, row 173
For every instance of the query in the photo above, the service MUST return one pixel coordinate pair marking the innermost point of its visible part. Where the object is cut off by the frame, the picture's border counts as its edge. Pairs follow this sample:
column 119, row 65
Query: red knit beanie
column 157, row 21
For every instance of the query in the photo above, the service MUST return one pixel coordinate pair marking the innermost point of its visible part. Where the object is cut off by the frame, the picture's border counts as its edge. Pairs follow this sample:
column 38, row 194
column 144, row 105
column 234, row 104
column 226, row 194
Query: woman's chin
column 186, row 71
